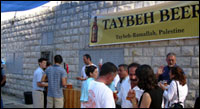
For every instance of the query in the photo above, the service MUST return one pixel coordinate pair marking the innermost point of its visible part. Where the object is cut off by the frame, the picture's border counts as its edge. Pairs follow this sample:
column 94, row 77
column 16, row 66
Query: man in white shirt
column 123, row 75
column 38, row 86
column 130, row 83
column 100, row 95
column 88, row 61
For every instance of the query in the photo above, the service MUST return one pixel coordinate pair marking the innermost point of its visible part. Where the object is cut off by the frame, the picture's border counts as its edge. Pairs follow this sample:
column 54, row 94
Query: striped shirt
column 55, row 74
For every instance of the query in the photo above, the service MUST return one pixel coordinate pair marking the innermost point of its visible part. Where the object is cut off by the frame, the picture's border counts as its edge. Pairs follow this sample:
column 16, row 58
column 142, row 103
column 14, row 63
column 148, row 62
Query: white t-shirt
column 100, row 96
column 171, row 93
column 125, row 87
column 83, row 74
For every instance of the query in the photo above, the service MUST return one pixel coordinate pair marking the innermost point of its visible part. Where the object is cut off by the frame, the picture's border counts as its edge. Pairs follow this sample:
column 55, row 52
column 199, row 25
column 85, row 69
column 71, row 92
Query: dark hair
column 107, row 68
column 125, row 66
column 89, row 69
column 133, row 65
column 41, row 59
column 178, row 75
column 171, row 54
column 146, row 77
column 48, row 63
column 88, row 56
column 58, row 59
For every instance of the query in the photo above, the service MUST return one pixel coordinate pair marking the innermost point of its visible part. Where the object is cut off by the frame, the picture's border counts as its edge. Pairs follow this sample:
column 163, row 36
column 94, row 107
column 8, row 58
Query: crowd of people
column 111, row 86
column 138, row 86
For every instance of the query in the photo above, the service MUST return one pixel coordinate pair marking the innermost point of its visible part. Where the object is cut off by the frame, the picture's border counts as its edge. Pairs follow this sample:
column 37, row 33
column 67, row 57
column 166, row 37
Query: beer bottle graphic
column 94, row 31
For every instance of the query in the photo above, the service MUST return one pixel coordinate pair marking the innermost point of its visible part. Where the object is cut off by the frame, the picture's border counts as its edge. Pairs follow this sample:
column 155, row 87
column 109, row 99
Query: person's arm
column 44, row 78
column 40, row 80
column 4, row 76
column 82, row 75
column 64, row 82
column 146, row 101
column 64, row 78
column 168, row 94
column 160, row 71
column 161, row 86
column 81, row 78
column 4, row 79
column 40, row 84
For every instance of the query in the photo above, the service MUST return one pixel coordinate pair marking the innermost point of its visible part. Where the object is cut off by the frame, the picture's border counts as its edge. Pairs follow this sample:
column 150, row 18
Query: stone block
column 86, row 8
column 183, row 61
column 139, row 4
column 196, row 50
column 176, row 50
column 100, row 4
column 195, row 62
column 112, row 10
column 126, row 52
column 93, row 6
column 135, row 52
column 72, row 68
column 86, row 15
column 142, row 60
column 187, row 51
column 120, row 8
column 158, row 61
column 159, row 43
column 191, row 95
column 148, row 51
column 189, row 103
column 81, row 31
column 108, row 3
column 193, row 84
column 176, row 42
column 75, row 31
column 74, row 39
column 188, row 72
column 75, row 46
column 128, row 6
column 103, row 11
column 159, row 51
column 195, row 73
column 128, row 60
column 194, row 41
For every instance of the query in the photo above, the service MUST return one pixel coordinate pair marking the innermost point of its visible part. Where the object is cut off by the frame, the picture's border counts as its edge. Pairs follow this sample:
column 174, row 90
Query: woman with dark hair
column 92, row 73
column 177, row 86
column 153, row 94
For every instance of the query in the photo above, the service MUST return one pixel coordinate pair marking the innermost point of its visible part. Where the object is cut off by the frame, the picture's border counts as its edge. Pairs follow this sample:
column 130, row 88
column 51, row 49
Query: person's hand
column 160, row 70
column 115, row 95
column 79, row 78
column 162, row 86
column 100, row 65
column 131, row 94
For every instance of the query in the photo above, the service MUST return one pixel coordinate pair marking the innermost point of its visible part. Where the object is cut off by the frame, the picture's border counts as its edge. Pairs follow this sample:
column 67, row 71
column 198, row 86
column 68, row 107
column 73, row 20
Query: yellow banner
column 166, row 21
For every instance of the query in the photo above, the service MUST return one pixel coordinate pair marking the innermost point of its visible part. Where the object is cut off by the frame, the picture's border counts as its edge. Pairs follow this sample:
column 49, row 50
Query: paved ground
column 14, row 102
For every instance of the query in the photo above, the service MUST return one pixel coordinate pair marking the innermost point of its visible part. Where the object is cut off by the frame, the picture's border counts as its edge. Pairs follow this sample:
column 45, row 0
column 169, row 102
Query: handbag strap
column 177, row 91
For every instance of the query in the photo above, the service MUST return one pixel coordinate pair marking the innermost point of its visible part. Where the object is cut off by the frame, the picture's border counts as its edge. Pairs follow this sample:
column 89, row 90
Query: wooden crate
column 72, row 98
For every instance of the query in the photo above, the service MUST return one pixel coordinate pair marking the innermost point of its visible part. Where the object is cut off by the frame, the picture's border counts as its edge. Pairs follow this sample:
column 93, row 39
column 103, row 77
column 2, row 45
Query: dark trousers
column 45, row 98
column 118, row 106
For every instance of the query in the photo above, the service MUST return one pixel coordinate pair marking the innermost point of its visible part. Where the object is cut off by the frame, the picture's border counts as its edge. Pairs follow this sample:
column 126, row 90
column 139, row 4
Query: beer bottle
column 94, row 31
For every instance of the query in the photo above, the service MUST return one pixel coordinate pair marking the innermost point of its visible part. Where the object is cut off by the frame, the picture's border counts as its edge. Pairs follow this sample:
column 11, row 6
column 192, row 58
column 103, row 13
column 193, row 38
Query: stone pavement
column 10, row 101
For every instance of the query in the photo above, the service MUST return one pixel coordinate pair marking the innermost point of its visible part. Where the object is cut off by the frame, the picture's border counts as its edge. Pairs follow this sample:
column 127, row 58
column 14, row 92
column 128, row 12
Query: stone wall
column 70, row 25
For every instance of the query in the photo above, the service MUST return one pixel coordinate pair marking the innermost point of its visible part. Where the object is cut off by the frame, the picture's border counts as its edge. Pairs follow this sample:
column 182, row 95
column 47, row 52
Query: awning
column 8, row 6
